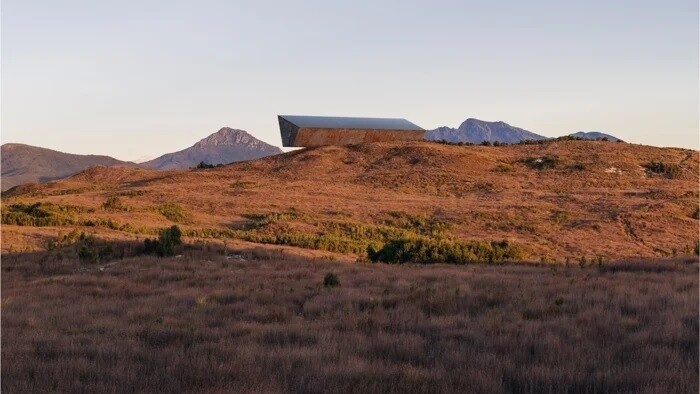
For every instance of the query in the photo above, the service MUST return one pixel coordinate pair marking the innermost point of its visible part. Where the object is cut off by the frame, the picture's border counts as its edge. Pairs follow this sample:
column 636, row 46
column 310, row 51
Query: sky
column 136, row 79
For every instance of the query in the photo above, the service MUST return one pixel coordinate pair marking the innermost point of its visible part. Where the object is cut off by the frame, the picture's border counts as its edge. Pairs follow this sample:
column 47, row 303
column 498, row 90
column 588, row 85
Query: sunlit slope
column 556, row 199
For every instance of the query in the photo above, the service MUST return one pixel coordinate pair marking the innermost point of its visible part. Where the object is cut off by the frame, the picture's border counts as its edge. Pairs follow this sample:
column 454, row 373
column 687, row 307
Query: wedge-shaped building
column 307, row 131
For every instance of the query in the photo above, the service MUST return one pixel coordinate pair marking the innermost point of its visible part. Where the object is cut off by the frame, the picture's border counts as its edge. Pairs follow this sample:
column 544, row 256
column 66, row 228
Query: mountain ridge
column 225, row 146
column 476, row 131
column 22, row 163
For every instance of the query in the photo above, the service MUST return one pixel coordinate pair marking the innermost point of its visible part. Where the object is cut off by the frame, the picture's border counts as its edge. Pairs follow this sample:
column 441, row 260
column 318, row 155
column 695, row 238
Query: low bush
column 577, row 167
column 204, row 165
column 430, row 250
column 259, row 220
column 331, row 280
column 503, row 167
column 114, row 203
column 542, row 163
column 165, row 244
column 173, row 212
column 670, row 171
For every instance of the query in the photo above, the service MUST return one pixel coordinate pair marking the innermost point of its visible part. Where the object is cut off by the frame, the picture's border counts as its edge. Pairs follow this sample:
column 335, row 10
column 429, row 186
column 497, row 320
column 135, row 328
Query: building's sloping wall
column 309, row 131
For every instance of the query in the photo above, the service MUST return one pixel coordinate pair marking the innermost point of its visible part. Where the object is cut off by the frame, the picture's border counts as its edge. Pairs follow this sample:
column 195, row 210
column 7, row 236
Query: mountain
column 476, row 131
column 594, row 135
column 225, row 146
column 25, row 163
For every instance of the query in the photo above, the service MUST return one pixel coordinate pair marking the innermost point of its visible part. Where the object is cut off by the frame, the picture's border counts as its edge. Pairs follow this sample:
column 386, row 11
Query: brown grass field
column 604, row 299
column 263, row 322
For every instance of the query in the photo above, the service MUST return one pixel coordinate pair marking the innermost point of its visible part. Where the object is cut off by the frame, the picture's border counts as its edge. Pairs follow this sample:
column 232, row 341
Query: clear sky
column 135, row 79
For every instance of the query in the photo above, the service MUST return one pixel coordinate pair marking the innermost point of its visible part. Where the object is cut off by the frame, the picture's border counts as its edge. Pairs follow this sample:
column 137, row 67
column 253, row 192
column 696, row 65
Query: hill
column 25, row 164
column 594, row 135
column 225, row 146
column 556, row 200
column 476, row 131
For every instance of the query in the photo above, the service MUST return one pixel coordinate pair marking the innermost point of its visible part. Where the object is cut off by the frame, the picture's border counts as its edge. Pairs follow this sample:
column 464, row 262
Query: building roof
column 337, row 122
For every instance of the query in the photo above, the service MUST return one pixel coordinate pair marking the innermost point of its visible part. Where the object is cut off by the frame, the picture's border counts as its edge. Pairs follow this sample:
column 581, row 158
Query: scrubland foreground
column 262, row 320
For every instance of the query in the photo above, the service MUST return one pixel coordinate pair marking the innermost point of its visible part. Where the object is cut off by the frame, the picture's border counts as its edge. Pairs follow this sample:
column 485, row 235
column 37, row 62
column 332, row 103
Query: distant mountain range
column 225, row 146
column 594, row 135
column 26, row 164
column 476, row 131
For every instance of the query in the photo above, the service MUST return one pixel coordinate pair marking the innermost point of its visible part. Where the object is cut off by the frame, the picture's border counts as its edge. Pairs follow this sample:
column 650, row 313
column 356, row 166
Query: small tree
column 166, row 242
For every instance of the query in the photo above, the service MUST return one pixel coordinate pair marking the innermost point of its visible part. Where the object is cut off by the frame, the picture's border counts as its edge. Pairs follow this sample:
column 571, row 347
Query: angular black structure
column 307, row 131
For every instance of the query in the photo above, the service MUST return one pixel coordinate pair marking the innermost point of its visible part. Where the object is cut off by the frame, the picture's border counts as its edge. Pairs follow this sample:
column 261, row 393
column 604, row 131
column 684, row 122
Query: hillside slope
column 25, row 164
column 223, row 147
column 558, row 200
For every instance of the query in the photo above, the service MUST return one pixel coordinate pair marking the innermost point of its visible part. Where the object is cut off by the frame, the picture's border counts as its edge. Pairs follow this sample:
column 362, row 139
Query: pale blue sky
column 141, row 78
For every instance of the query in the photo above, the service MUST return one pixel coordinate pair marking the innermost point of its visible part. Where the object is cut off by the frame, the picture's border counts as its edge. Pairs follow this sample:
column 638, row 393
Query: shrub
column 503, row 167
column 431, row 250
column 92, row 250
column 166, row 242
column 432, row 226
column 696, row 214
column 331, row 280
column 173, row 212
column 577, row 167
column 560, row 217
column 670, row 171
column 113, row 203
column 542, row 163
column 265, row 219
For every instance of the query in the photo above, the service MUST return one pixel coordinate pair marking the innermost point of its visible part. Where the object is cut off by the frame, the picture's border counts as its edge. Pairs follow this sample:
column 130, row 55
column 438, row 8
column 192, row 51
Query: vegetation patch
column 259, row 220
column 114, row 203
column 204, row 165
column 542, row 163
column 670, row 171
column 165, row 245
column 432, row 226
column 578, row 166
column 423, row 250
column 331, row 280
column 503, row 167
column 40, row 214
column 87, row 248
column 173, row 212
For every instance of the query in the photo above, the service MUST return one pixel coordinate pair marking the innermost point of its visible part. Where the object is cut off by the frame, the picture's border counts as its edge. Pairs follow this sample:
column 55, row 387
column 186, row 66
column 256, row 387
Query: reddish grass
column 203, row 323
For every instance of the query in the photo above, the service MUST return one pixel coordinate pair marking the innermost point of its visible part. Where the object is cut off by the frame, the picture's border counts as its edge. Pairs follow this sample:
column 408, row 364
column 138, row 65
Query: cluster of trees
column 525, row 142
column 165, row 245
column 441, row 250
column 204, row 165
